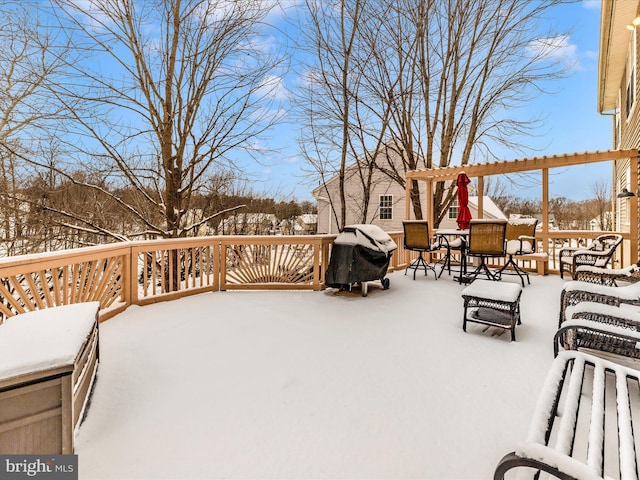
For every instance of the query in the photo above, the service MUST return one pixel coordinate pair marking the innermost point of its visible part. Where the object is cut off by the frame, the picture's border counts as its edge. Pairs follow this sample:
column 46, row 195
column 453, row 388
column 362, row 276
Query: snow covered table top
column 44, row 339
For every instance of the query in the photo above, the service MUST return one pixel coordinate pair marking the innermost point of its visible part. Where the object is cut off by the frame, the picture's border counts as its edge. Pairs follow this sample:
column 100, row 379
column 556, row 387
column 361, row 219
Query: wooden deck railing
column 139, row 273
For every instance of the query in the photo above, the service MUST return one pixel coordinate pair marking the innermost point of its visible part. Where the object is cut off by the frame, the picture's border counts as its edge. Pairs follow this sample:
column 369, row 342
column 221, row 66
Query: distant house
column 249, row 224
column 595, row 224
column 386, row 201
column 553, row 224
column 305, row 224
column 489, row 208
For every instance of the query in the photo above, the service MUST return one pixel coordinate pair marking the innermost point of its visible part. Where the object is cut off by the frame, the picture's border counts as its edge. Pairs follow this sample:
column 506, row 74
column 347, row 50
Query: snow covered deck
column 301, row 384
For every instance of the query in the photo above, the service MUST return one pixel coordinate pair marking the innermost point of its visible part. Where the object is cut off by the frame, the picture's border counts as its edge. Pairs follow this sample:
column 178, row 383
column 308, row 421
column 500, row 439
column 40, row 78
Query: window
column 631, row 75
column 386, row 207
column 453, row 209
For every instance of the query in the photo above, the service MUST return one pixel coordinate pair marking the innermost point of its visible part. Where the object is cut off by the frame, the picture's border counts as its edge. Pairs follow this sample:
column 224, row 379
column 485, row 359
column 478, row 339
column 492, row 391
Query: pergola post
column 633, row 217
column 545, row 210
column 481, row 197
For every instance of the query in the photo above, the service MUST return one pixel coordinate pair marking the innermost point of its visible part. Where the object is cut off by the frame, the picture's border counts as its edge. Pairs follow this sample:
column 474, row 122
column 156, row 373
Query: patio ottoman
column 496, row 304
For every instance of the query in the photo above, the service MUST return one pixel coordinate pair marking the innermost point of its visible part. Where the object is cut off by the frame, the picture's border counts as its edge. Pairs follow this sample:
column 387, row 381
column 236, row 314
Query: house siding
column 381, row 184
column 619, row 50
column 629, row 137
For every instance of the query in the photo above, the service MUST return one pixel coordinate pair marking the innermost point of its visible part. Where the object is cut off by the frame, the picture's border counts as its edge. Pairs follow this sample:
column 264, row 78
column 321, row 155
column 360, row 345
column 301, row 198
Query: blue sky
column 572, row 123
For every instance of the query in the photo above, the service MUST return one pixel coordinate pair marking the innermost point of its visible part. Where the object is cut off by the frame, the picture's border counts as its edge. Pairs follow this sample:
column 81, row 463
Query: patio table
column 448, row 233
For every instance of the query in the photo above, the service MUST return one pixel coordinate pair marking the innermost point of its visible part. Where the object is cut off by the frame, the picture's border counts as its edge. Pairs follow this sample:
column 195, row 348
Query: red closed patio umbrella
column 464, row 214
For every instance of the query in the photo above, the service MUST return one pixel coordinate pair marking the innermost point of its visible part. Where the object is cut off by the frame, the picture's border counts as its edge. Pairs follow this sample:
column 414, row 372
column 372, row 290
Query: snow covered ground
column 281, row 384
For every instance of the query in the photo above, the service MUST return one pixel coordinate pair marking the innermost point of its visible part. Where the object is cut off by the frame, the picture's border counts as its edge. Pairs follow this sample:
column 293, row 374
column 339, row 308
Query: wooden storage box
column 48, row 362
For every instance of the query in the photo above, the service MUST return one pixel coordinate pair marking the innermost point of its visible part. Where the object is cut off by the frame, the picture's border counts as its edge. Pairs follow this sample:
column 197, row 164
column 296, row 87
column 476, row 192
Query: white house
column 386, row 201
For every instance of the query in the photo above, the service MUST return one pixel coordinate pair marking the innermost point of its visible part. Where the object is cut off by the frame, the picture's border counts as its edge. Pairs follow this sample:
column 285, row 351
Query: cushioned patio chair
column 418, row 239
column 486, row 240
column 521, row 240
column 575, row 292
column 597, row 254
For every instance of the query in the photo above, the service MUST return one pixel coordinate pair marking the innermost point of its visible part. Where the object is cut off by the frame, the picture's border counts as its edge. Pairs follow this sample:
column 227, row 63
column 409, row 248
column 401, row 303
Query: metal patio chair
column 521, row 240
column 417, row 238
column 486, row 240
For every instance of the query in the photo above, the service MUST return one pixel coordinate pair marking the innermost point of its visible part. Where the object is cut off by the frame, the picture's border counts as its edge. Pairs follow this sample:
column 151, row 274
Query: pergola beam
column 523, row 165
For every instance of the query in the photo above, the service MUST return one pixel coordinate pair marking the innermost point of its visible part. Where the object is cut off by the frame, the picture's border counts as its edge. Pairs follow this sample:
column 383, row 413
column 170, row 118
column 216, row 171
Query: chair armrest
column 588, row 257
column 594, row 253
column 456, row 243
column 532, row 242
column 553, row 462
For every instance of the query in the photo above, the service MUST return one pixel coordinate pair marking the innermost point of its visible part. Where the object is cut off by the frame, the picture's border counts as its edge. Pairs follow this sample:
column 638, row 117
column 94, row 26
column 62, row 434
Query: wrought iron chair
column 418, row 239
column 521, row 240
column 605, row 328
column 575, row 292
column 597, row 254
column 486, row 240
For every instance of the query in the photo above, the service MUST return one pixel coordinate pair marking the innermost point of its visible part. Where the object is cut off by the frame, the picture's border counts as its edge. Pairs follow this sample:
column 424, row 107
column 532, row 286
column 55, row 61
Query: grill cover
column 361, row 253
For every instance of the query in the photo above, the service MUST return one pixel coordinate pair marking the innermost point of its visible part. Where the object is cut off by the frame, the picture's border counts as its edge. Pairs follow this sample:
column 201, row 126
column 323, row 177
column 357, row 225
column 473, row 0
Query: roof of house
column 488, row 207
column 309, row 218
column 614, row 44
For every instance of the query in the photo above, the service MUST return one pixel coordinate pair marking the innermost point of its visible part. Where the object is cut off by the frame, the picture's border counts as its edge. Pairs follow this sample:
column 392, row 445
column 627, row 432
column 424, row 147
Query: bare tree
column 448, row 73
column 602, row 205
column 30, row 62
column 344, row 117
column 170, row 91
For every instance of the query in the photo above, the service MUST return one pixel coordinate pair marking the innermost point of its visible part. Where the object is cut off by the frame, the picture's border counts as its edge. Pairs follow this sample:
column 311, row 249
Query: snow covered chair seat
column 609, row 276
column 583, row 423
column 575, row 292
column 600, row 327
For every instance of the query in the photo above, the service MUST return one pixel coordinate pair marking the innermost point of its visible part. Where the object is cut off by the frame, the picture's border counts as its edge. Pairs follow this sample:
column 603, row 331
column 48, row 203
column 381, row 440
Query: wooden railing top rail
column 141, row 272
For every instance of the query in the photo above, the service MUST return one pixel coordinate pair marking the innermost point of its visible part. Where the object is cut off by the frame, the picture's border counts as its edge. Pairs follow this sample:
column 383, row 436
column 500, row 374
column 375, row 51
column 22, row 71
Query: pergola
column 481, row 170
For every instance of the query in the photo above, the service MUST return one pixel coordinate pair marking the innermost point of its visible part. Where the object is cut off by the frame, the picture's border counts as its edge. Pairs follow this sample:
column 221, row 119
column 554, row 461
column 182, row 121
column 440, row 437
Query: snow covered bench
column 48, row 363
column 583, row 422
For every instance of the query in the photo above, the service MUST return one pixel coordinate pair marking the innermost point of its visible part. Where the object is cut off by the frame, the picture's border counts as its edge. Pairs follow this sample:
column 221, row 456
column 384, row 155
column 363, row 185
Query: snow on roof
column 489, row 208
column 309, row 218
